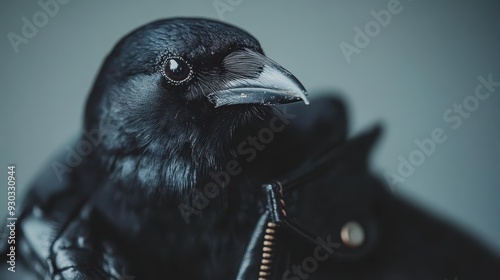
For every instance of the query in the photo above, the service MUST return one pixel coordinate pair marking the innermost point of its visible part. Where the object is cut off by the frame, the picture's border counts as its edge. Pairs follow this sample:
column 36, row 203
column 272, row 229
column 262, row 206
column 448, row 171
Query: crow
column 192, row 138
column 160, row 184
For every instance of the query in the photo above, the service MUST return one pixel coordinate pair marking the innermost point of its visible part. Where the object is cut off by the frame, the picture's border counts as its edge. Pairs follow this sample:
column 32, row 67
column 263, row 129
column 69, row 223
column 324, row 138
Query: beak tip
column 303, row 95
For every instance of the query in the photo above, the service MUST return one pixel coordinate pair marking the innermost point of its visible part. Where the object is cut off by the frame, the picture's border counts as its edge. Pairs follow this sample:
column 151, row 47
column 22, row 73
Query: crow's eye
column 176, row 70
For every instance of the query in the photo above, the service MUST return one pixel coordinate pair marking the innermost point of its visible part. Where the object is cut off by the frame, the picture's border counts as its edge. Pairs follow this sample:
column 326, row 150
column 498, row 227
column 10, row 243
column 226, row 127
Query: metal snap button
column 352, row 234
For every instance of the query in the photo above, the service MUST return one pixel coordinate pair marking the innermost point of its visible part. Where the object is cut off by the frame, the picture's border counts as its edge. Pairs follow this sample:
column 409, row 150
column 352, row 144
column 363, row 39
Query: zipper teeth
column 268, row 245
column 267, row 251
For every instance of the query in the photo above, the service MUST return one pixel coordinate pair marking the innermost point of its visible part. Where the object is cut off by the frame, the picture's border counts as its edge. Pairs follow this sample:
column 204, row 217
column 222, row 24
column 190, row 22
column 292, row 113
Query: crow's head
column 175, row 96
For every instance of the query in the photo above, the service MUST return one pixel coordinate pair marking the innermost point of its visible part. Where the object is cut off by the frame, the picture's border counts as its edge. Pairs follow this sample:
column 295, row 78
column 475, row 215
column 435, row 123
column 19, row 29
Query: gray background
column 427, row 59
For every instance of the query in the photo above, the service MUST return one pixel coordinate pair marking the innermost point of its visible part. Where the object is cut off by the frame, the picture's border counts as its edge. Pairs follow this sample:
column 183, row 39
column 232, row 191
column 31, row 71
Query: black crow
column 156, row 184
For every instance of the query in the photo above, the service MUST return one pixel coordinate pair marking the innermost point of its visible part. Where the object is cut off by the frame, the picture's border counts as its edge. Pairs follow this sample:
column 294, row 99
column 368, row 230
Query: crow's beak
column 252, row 78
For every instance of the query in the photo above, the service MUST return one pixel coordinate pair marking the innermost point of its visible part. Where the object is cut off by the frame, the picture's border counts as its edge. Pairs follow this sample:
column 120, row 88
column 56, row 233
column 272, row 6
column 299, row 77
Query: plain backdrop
column 425, row 60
